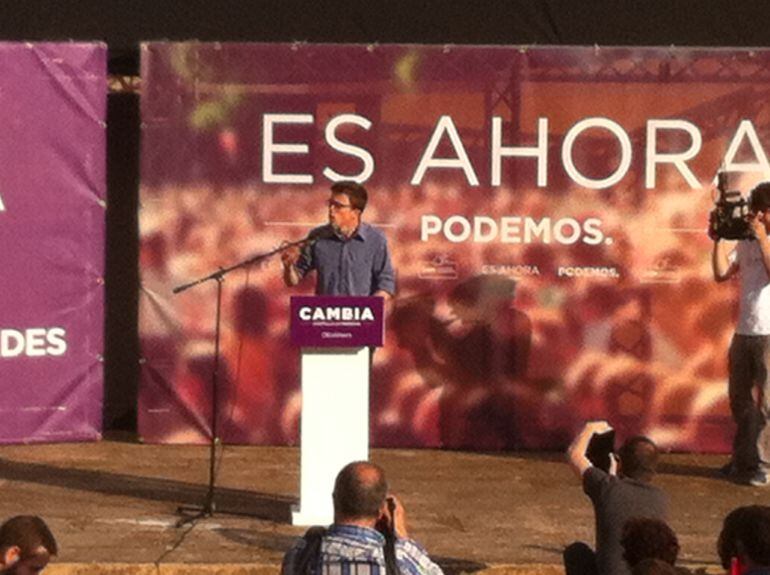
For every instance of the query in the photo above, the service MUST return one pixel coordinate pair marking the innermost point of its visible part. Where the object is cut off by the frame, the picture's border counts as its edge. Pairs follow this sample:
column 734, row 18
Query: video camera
column 729, row 220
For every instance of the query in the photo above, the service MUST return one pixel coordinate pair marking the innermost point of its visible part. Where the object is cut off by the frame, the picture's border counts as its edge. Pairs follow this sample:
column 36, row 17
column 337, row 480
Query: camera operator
column 748, row 355
column 368, row 534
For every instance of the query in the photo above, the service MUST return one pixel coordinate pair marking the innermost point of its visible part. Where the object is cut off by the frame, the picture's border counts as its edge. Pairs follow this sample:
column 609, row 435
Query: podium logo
column 515, row 270
column 665, row 270
column 440, row 267
column 588, row 272
column 33, row 342
column 336, row 313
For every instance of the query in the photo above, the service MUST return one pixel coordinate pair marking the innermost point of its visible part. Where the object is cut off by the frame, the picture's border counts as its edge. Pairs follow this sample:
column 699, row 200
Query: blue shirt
column 355, row 266
column 349, row 549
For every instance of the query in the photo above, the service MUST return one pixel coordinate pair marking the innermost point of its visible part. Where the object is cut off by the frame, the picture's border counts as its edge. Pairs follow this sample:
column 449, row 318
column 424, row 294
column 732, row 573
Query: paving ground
column 112, row 506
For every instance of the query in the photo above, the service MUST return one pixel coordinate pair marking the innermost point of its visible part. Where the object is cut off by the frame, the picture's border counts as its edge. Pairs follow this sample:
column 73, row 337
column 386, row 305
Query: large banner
column 546, row 211
column 52, row 203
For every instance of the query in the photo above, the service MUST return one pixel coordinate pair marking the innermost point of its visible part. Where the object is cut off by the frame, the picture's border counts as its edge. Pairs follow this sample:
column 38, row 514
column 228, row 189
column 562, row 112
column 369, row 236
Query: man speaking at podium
column 350, row 257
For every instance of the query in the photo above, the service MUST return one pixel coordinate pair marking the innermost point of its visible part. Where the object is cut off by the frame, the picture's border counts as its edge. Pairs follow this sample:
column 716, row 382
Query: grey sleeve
column 594, row 481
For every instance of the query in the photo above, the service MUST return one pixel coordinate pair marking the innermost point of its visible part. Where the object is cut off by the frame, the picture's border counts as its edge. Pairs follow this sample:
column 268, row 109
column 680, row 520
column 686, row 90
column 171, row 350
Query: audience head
column 746, row 535
column 359, row 492
column 26, row 545
column 638, row 458
column 727, row 544
column 644, row 538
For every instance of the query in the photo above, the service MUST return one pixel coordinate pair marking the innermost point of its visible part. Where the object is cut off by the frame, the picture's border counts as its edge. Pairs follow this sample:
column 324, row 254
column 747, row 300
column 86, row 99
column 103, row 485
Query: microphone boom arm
column 222, row 272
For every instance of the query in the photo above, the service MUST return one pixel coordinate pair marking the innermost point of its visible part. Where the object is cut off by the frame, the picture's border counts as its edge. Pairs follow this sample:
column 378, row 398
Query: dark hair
column 653, row 567
column 727, row 544
column 644, row 538
column 356, row 193
column 746, row 531
column 28, row 533
column 760, row 197
column 639, row 458
column 360, row 490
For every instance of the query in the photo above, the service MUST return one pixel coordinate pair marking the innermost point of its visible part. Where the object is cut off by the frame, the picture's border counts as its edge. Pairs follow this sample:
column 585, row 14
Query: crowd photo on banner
column 550, row 251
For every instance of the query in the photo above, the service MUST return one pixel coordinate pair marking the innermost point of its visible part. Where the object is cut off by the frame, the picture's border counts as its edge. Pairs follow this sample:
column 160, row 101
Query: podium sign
column 336, row 321
column 335, row 334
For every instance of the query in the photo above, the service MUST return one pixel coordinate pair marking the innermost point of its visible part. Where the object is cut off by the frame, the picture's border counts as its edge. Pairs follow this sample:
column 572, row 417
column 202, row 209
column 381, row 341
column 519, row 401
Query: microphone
column 306, row 243
column 320, row 233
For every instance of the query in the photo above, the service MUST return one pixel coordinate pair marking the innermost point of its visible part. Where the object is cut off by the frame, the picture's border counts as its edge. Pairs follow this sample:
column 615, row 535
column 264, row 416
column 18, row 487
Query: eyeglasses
column 338, row 206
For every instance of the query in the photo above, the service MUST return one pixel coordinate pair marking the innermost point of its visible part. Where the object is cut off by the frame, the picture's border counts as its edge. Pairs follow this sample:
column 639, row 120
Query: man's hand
column 289, row 258
column 576, row 454
column 721, row 265
column 395, row 515
column 758, row 225
column 597, row 427
column 383, row 294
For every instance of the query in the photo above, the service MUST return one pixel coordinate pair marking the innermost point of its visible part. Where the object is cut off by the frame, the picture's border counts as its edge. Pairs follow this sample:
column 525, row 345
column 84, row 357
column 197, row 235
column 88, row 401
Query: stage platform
column 112, row 506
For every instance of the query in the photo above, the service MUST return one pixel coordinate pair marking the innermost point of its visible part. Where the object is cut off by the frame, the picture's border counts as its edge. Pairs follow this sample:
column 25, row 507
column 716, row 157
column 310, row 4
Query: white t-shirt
column 754, row 316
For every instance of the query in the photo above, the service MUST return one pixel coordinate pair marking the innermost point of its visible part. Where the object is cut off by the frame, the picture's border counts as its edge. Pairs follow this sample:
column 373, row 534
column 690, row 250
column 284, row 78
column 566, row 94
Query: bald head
column 359, row 491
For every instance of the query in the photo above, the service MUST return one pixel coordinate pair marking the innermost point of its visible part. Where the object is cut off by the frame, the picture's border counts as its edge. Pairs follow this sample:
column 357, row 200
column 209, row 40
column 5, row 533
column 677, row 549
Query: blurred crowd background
column 487, row 346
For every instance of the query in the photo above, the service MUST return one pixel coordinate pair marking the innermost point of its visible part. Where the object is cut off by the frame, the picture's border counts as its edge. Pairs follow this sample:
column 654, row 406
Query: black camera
column 729, row 220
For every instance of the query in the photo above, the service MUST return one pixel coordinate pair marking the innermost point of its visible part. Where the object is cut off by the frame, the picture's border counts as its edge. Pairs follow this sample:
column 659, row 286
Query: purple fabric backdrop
column 52, row 213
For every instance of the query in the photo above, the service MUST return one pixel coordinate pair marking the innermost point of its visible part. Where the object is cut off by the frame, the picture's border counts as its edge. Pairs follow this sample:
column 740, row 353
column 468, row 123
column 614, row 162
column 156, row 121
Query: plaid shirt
column 353, row 550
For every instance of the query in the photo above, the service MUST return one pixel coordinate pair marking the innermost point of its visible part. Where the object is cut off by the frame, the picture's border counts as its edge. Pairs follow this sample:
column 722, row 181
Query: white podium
column 334, row 425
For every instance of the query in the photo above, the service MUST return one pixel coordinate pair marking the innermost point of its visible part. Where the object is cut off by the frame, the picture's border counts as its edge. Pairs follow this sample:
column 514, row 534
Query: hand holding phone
column 393, row 519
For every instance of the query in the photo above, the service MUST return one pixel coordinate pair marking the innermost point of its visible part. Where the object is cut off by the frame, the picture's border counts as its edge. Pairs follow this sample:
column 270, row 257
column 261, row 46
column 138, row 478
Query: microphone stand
column 191, row 513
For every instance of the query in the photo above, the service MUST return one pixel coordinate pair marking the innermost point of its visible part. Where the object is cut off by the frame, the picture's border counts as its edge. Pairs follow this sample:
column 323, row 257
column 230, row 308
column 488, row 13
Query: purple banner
column 329, row 321
column 52, row 213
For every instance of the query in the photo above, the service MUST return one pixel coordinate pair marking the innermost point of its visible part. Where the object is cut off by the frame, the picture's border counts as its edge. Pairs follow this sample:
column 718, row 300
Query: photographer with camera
column 620, row 488
column 368, row 534
column 748, row 355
